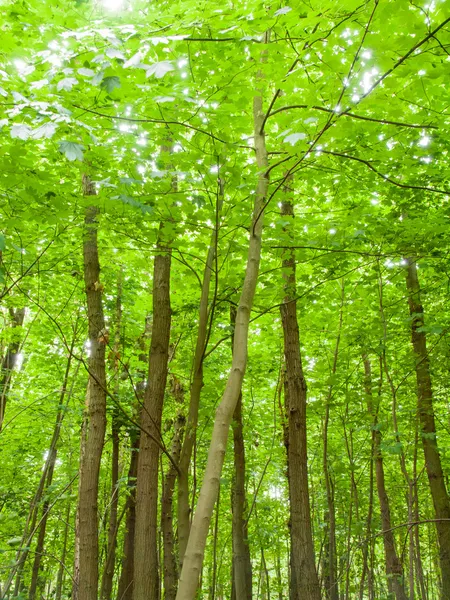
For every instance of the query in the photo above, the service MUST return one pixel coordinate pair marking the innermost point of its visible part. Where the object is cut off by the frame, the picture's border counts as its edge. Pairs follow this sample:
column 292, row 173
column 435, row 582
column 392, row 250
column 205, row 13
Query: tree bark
column 10, row 359
column 146, row 567
column 330, row 555
column 62, row 562
column 425, row 409
column 108, row 570
column 170, row 567
column 193, row 559
column 93, row 432
column 394, row 570
column 302, row 554
column 125, row 586
column 183, row 508
column 242, row 565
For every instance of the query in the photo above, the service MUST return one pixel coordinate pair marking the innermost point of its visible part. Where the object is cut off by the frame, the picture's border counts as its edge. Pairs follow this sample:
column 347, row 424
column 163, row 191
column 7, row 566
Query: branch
column 354, row 116
column 385, row 177
column 160, row 121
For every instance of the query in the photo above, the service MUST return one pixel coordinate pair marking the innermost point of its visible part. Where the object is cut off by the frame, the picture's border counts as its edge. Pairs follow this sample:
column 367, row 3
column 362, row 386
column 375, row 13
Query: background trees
column 154, row 107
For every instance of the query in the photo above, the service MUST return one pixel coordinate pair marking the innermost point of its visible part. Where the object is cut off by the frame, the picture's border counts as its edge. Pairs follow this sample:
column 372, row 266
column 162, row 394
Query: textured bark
column 170, row 567
column 193, row 558
column 146, row 567
column 108, row 571
column 183, row 507
column 241, row 565
column 62, row 562
column 306, row 585
column 10, row 359
column 93, row 432
column 394, row 570
column 125, row 587
column 425, row 409
column 330, row 556
column 366, row 543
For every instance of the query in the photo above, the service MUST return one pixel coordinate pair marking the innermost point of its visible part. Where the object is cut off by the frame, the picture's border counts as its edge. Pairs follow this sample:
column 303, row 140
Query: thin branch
column 385, row 177
column 353, row 116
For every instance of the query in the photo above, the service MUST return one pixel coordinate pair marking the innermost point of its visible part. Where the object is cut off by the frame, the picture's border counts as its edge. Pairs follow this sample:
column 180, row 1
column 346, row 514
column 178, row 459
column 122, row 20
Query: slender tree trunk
column 394, row 570
column 170, row 559
column 242, row 566
column 416, row 517
column 146, row 567
column 302, row 554
column 125, row 586
column 183, row 508
column 215, row 541
column 62, row 563
column 366, row 544
column 93, row 432
column 193, row 558
column 32, row 524
column 425, row 409
column 330, row 564
column 108, row 571
column 10, row 359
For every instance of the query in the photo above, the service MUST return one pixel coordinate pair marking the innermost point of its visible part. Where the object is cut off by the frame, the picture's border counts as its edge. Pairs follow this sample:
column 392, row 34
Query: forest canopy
column 224, row 305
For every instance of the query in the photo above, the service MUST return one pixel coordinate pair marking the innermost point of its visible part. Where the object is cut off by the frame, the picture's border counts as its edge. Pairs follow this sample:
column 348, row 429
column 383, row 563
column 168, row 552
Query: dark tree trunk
column 394, row 570
column 146, row 567
column 302, row 548
column 241, row 564
column 93, row 432
column 125, row 587
column 108, row 571
column 170, row 568
column 425, row 409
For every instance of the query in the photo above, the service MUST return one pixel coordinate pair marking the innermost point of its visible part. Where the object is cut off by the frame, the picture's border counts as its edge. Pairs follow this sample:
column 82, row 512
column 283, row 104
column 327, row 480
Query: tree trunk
column 193, row 559
column 93, row 431
column 428, row 427
column 394, row 570
column 330, row 559
column 10, row 359
column 49, row 468
column 108, row 571
column 302, row 554
column 242, row 565
column 125, row 587
column 367, row 542
column 62, row 562
column 183, row 508
column 146, row 567
column 170, row 559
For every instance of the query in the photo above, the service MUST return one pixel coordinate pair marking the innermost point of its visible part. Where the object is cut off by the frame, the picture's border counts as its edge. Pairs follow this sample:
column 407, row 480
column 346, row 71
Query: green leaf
column 159, row 69
column 110, row 83
column 21, row 131
column 44, row 131
column 72, row 150
column 66, row 84
column 293, row 138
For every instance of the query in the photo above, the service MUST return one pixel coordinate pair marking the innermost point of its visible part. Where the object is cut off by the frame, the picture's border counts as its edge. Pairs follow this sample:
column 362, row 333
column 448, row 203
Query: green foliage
column 154, row 102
